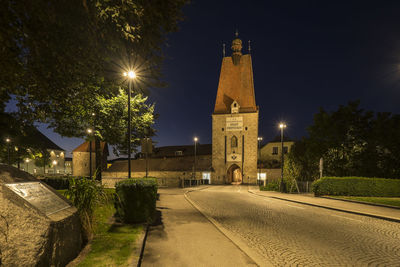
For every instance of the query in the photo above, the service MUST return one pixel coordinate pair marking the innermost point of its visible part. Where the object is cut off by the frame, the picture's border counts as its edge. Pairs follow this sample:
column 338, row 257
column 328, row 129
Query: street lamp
column 131, row 75
column 8, row 140
column 259, row 139
column 282, row 126
column 90, row 131
column 27, row 166
column 195, row 152
column 54, row 165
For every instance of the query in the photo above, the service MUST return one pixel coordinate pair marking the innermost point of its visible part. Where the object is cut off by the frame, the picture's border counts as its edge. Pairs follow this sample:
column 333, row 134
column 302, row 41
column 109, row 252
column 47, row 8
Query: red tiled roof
column 84, row 147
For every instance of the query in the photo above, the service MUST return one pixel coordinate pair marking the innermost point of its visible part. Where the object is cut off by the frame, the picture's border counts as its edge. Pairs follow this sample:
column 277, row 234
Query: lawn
column 113, row 243
column 392, row 201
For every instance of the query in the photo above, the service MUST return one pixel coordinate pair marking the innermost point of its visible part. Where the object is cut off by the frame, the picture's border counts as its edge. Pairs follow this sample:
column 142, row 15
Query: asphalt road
column 282, row 233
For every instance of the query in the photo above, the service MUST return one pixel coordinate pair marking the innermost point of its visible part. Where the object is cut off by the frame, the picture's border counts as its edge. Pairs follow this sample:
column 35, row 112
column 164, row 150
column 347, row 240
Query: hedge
column 58, row 183
column 135, row 200
column 271, row 186
column 357, row 186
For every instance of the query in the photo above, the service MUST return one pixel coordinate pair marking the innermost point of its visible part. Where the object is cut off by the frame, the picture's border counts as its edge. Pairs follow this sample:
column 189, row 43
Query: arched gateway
column 234, row 175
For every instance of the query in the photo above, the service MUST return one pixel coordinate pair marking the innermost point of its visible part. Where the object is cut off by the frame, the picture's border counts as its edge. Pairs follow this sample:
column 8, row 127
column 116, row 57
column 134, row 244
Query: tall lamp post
column 195, row 152
column 90, row 131
column 259, row 139
column 8, row 140
column 282, row 126
column 131, row 75
column 54, row 166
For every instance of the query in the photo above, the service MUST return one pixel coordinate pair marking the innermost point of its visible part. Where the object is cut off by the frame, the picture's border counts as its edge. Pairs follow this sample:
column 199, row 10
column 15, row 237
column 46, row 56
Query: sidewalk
column 380, row 212
column 184, row 237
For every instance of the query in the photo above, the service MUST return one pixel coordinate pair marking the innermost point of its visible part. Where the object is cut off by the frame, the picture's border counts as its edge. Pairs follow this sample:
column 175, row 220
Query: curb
column 362, row 202
column 336, row 209
column 259, row 261
column 139, row 252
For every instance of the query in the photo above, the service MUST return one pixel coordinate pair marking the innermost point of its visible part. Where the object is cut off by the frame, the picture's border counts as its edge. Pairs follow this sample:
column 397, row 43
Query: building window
column 275, row 150
column 206, row 175
column 285, row 150
column 234, row 141
column 178, row 153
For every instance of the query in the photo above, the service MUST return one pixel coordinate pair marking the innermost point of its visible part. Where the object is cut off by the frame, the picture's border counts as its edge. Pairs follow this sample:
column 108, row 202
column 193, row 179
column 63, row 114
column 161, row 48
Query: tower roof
column 236, row 82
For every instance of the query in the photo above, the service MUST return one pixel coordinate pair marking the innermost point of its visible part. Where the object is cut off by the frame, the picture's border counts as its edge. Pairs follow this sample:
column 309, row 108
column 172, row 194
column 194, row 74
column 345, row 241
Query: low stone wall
column 164, row 178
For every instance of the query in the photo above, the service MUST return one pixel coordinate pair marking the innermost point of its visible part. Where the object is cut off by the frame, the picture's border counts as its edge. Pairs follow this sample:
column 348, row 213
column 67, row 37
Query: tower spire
column 237, row 49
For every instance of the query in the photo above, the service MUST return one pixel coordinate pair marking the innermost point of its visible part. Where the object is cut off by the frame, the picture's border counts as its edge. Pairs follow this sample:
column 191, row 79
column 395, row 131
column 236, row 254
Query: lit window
column 178, row 153
column 206, row 175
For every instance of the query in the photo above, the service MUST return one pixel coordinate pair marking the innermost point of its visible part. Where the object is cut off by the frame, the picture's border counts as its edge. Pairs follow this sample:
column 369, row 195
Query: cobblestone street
column 290, row 234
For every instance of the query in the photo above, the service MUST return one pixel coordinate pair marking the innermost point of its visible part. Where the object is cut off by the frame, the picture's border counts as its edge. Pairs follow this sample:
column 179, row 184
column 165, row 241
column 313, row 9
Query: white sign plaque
column 39, row 196
column 234, row 123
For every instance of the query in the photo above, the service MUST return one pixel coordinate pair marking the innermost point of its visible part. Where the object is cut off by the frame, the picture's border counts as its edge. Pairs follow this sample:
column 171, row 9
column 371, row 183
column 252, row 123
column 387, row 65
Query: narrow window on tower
column 234, row 141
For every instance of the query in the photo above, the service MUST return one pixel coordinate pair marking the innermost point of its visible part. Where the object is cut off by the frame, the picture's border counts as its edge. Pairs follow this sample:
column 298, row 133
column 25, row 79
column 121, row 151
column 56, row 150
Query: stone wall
column 164, row 178
column 219, row 133
column 80, row 163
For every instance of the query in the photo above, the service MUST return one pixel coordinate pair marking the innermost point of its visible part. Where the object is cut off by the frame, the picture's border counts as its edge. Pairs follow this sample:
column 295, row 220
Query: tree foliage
column 352, row 142
column 63, row 60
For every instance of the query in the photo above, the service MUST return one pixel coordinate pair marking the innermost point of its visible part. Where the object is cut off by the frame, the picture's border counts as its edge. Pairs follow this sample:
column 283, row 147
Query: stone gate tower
column 235, row 121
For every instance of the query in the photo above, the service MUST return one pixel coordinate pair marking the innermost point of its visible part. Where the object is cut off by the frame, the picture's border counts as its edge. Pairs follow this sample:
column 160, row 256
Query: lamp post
column 259, row 139
column 195, row 152
column 8, row 140
column 54, row 165
column 27, row 166
column 282, row 126
column 90, row 131
column 130, row 75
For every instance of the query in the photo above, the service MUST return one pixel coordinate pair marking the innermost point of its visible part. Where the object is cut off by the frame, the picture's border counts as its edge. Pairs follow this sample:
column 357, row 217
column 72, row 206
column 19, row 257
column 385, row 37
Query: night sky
column 306, row 55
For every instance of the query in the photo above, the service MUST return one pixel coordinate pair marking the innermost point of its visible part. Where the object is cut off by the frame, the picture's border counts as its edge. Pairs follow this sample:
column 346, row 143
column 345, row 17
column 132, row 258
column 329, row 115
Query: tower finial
column 249, row 47
column 223, row 49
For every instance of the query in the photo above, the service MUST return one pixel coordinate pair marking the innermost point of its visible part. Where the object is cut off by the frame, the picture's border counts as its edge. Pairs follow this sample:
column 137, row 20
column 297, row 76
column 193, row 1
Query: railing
column 193, row 182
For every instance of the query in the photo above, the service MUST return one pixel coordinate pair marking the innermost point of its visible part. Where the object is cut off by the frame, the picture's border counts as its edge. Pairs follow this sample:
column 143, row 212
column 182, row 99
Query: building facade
column 81, row 158
column 235, row 121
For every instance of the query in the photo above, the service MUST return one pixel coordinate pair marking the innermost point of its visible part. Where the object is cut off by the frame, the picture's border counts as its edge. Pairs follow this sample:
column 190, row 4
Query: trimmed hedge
column 357, row 186
column 271, row 186
column 135, row 200
column 58, row 183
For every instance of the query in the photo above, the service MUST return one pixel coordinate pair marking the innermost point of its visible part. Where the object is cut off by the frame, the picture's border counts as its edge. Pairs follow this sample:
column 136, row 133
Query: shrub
column 86, row 194
column 58, row 183
column 135, row 200
column 357, row 186
column 271, row 186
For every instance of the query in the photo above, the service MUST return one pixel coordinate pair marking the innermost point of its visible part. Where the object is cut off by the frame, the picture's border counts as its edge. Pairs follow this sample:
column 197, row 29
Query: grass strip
column 391, row 201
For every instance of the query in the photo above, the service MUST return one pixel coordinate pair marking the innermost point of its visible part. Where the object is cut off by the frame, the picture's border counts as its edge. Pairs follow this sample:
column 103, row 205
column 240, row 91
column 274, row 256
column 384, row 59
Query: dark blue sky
column 306, row 55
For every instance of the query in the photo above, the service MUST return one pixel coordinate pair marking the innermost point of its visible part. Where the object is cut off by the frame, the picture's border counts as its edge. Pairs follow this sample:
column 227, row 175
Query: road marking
column 295, row 206
column 343, row 217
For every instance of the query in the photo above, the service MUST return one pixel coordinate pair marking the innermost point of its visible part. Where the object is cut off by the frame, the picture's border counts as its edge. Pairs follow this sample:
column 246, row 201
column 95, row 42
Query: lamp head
column 8, row 140
column 89, row 131
column 282, row 125
column 259, row 138
column 195, row 139
column 130, row 74
column 26, row 160
column 54, row 162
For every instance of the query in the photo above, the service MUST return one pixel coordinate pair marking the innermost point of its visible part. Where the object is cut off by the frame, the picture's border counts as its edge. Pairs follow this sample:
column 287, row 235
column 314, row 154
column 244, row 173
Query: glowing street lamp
column 54, row 165
column 282, row 126
column 27, row 166
column 90, row 131
column 195, row 152
column 8, row 140
column 131, row 75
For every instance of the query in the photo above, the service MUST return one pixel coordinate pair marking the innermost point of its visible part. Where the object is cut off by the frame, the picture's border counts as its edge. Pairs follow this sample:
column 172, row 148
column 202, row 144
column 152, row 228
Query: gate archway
column 234, row 175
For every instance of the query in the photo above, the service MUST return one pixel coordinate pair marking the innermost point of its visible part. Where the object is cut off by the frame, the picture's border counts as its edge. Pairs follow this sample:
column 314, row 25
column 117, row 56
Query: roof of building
column 40, row 139
column 203, row 163
column 84, row 147
column 188, row 150
column 236, row 82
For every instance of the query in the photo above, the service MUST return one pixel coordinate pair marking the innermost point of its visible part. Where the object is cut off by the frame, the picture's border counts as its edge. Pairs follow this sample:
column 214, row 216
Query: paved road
column 290, row 234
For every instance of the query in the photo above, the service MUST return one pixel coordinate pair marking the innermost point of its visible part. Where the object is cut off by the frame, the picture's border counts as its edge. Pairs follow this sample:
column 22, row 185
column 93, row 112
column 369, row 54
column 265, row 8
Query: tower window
column 223, row 129
column 234, row 141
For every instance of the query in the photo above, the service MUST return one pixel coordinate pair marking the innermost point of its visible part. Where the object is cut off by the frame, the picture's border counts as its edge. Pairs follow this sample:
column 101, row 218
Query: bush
column 271, row 186
column 357, row 186
column 85, row 194
column 135, row 200
column 58, row 183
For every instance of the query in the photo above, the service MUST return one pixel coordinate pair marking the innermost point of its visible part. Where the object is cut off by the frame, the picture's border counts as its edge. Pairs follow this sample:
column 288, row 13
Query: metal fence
column 193, row 182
